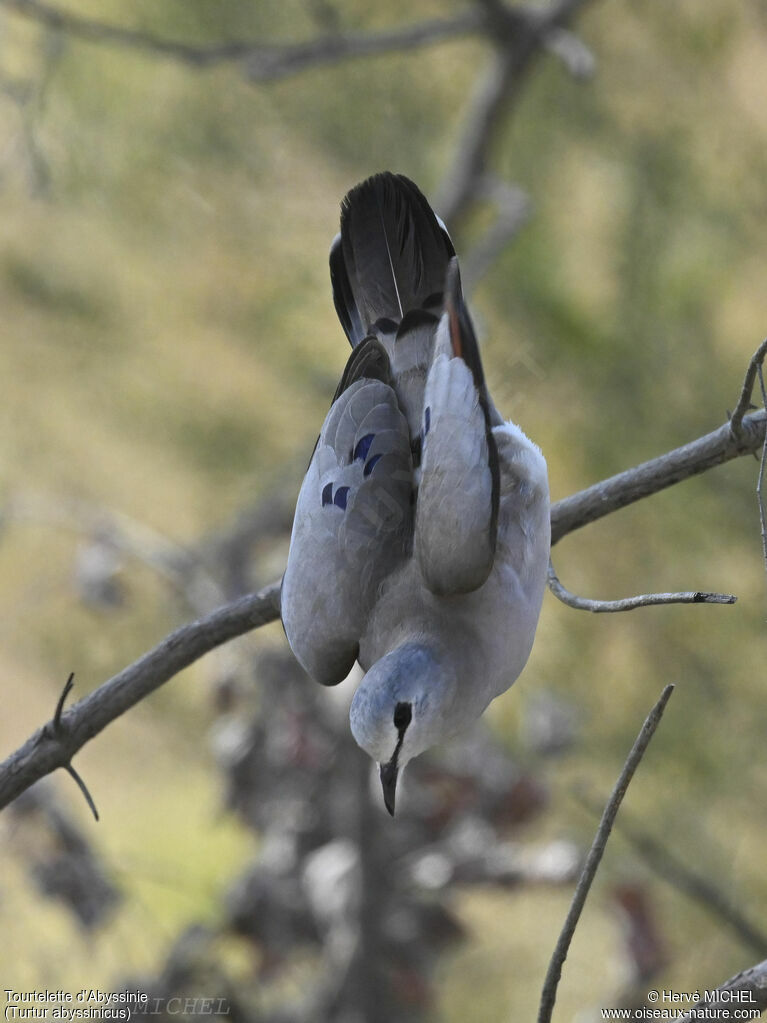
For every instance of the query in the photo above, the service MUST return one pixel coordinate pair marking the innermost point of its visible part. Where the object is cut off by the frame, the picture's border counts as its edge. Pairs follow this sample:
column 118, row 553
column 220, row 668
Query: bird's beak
column 388, row 773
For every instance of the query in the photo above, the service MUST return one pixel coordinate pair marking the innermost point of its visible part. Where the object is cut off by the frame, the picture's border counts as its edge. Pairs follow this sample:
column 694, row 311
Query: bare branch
column 521, row 35
column 83, row 788
column 744, row 402
column 46, row 750
column 41, row 754
column 651, row 477
column 262, row 62
column 760, row 477
column 267, row 62
column 549, row 993
column 746, row 990
column 737, row 424
column 68, row 686
column 629, row 603
column 55, row 730
column 487, row 109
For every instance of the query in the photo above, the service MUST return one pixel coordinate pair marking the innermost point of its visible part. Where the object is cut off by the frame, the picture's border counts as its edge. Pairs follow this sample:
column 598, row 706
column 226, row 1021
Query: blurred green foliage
column 168, row 342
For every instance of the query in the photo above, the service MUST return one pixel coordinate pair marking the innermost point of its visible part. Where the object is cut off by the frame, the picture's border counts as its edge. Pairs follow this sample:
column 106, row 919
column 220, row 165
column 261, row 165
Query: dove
column 421, row 535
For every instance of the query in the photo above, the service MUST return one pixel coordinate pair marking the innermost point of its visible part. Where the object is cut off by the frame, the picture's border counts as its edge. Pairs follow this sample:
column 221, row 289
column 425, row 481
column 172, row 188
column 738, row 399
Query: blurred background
column 168, row 350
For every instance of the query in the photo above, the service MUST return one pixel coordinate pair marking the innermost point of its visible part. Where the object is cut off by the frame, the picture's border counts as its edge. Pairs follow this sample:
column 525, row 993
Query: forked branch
column 747, row 391
column 42, row 753
column 265, row 62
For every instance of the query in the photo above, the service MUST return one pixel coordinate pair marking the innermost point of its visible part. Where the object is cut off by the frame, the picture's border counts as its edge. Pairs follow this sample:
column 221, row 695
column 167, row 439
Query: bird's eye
column 403, row 715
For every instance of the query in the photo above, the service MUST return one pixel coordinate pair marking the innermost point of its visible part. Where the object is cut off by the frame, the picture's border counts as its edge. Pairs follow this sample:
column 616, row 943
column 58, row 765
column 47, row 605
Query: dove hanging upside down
column 421, row 535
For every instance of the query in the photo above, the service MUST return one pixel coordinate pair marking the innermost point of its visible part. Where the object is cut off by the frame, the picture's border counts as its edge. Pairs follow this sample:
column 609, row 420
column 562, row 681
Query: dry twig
column 760, row 477
column 630, row 603
column 56, row 731
column 746, row 393
column 40, row 754
column 264, row 62
column 521, row 36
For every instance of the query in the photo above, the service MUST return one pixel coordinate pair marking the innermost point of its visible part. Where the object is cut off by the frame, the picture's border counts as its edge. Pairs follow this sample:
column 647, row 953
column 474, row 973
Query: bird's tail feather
column 391, row 256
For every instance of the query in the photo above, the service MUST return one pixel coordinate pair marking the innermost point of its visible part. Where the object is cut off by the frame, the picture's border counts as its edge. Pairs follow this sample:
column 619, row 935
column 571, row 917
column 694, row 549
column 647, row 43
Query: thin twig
column 83, row 788
column 744, row 402
column 755, row 370
column 40, row 755
column 55, row 731
column 549, row 992
column 69, row 684
column 629, row 603
column 265, row 62
column 521, row 38
column 262, row 61
column 760, row 477
column 685, row 880
column 749, row 989
column 487, row 109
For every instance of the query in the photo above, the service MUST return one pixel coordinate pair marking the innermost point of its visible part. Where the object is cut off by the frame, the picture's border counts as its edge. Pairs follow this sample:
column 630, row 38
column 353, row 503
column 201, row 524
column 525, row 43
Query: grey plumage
column 421, row 535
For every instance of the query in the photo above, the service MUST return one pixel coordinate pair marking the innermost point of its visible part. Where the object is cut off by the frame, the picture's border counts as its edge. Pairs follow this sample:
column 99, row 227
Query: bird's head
column 401, row 708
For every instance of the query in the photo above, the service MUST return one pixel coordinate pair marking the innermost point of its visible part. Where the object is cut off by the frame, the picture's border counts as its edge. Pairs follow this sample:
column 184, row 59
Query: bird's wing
column 458, row 495
column 353, row 523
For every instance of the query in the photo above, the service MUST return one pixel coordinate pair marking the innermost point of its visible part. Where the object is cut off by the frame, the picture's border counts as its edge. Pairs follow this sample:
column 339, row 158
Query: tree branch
column 746, row 393
column 521, row 33
column 268, row 63
column 262, row 62
column 521, row 36
column 760, row 477
column 40, row 754
column 54, row 730
column 549, row 993
column 629, row 603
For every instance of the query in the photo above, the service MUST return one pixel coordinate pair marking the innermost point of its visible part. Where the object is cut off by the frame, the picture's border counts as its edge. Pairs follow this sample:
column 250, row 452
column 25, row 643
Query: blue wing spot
column 363, row 446
column 426, row 420
column 327, row 494
column 369, row 466
column 339, row 500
